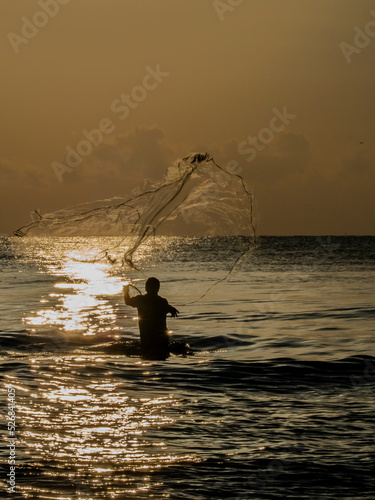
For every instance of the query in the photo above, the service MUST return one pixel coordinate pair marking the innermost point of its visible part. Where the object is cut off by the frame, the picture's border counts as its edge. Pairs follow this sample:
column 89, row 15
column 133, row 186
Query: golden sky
column 285, row 88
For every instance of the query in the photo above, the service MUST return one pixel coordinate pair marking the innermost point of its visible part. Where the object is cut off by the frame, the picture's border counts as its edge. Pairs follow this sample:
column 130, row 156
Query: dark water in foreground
column 277, row 400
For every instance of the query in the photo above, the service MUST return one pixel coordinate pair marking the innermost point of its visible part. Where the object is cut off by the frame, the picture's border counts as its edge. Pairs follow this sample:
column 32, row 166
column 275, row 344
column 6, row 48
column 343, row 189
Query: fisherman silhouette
column 152, row 319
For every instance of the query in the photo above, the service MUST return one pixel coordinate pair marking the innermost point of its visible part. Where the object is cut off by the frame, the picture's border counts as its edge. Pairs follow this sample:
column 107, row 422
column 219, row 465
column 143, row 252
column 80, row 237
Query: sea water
column 276, row 401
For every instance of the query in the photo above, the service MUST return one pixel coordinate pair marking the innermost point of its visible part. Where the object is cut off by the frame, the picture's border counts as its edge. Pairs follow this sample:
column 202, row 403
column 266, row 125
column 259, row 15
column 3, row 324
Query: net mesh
column 197, row 197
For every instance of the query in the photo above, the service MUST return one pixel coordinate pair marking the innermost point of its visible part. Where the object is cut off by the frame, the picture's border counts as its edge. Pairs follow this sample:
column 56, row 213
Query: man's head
column 152, row 286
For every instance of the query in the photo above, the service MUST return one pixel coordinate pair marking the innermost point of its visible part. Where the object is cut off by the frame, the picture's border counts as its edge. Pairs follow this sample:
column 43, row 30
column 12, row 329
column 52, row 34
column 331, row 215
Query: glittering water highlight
column 276, row 401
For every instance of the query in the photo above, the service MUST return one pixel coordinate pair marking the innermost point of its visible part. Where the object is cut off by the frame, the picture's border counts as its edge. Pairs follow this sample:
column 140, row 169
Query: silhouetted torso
column 152, row 312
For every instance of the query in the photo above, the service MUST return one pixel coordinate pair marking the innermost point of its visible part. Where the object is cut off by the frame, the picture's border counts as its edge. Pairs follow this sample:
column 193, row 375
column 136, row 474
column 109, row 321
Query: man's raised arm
column 129, row 301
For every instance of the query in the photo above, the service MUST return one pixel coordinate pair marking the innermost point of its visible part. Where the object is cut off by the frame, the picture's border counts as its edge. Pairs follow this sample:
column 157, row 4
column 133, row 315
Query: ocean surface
column 275, row 399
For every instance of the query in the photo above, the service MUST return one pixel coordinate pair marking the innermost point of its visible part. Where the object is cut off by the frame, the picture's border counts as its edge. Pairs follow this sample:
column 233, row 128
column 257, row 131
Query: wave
column 276, row 375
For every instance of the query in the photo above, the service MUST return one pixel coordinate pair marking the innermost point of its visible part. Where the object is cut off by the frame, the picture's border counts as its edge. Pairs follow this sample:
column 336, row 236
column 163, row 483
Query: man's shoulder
column 148, row 300
column 137, row 299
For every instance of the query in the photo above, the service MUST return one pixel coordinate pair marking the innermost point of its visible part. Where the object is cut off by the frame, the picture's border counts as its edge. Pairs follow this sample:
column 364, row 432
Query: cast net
column 196, row 198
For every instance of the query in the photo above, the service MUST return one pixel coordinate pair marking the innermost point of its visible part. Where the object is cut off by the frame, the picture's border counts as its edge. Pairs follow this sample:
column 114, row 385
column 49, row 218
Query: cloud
column 286, row 156
column 147, row 152
column 24, row 174
column 114, row 168
column 289, row 183
column 132, row 157
column 6, row 171
column 359, row 163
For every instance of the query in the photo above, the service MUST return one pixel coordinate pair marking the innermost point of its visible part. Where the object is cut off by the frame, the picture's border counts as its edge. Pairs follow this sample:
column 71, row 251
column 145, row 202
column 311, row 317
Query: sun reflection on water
column 81, row 302
column 90, row 426
column 97, row 425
